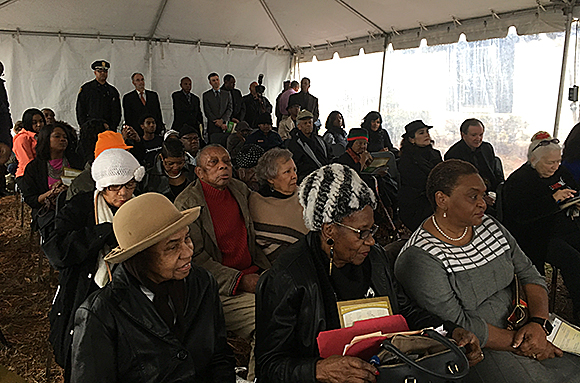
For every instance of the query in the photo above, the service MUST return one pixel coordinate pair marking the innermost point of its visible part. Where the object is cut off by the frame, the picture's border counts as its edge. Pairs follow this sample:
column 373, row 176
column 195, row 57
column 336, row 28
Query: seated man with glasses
column 338, row 260
column 82, row 235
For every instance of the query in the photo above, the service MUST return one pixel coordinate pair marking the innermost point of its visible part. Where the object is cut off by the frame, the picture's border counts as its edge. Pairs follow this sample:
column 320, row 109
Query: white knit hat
column 116, row 167
column 332, row 193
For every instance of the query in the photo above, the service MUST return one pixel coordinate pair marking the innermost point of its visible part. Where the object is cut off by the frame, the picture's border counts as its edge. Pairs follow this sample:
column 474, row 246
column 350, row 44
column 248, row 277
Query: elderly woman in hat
column 82, row 236
column 356, row 156
column 532, row 199
column 338, row 260
column 274, row 208
column 245, row 165
column 416, row 161
column 160, row 319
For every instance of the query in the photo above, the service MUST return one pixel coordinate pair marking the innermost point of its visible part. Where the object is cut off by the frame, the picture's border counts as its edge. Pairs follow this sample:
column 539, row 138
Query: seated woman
column 24, row 142
column 356, row 156
column 571, row 153
column 337, row 260
column 379, row 139
column 460, row 265
column 417, row 159
column 83, row 235
column 41, row 183
column 275, row 209
column 546, row 233
column 335, row 134
column 160, row 319
column 170, row 174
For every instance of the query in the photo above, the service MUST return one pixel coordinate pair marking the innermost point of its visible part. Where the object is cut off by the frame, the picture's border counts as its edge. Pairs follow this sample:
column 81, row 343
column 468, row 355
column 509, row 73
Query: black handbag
column 423, row 358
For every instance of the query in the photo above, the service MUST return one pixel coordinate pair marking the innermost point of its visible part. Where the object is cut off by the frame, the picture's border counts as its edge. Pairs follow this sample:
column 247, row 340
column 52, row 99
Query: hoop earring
column 330, row 242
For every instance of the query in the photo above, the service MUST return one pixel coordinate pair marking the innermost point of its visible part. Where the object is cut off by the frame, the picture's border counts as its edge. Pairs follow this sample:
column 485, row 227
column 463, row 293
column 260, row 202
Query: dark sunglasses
column 546, row 143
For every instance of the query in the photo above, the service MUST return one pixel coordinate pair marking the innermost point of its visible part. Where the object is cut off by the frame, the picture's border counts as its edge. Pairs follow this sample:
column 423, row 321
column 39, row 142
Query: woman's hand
column 53, row 192
column 345, row 369
column 563, row 194
column 531, row 341
column 366, row 159
column 467, row 339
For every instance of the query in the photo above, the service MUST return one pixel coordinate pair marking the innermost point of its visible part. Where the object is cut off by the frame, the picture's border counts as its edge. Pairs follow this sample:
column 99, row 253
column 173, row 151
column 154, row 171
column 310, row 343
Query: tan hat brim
column 118, row 255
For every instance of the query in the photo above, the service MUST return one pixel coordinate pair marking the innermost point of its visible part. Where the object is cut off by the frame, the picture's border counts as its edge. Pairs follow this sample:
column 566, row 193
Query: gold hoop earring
column 330, row 242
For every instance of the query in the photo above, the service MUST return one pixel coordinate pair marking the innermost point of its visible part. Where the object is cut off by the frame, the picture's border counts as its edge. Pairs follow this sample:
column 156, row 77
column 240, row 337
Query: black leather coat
column 290, row 311
column 120, row 337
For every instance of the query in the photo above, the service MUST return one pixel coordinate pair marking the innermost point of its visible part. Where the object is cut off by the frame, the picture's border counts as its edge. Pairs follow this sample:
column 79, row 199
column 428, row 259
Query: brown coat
column 206, row 252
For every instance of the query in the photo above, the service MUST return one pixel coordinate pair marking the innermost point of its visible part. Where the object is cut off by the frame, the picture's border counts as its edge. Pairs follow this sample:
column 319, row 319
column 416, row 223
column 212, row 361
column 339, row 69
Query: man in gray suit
column 217, row 107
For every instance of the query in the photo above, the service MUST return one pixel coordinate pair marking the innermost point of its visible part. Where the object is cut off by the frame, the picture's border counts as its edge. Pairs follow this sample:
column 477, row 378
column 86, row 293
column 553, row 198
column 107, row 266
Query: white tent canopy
column 47, row 46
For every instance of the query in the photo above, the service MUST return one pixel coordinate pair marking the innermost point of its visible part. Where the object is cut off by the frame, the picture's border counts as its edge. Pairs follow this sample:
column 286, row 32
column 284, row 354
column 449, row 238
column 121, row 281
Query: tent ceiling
column 301, row 23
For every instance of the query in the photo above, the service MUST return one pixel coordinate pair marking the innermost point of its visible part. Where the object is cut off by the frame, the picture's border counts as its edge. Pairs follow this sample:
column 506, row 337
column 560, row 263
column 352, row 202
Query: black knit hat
column 248, row 156
column 332, row 193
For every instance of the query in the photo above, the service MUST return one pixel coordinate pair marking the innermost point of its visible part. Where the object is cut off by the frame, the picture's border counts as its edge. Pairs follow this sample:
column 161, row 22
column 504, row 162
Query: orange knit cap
column 110, row 140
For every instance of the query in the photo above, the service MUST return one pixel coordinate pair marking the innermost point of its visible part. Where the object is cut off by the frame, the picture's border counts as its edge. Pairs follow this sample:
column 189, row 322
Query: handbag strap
column 387, row 345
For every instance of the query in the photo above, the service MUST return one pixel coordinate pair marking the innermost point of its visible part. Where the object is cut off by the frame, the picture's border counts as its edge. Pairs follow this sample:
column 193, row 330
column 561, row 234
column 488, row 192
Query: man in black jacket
column 98, row 98
column 186, row 108
column 238, row 106
column 140, row 102
column 473, row 149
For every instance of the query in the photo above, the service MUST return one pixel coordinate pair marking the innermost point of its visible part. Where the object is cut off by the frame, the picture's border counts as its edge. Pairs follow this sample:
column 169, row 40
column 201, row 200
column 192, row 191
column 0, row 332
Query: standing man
column 286, row 86
column 98, row 98
column 5, row 136
column 140, row 102
column 305, row 99
column 256, row 104
column 282, row 108
column 186, row 108
column 238, row 106
column 49, row 116
column 217, row 106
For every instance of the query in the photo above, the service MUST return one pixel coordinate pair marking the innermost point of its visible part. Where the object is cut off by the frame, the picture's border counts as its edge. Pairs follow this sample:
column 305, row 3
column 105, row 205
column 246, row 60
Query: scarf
column 169, row 296
column 103, row 214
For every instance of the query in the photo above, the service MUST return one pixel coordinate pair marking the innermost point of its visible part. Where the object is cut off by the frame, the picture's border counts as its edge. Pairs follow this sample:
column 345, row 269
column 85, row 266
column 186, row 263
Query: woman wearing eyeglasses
column 532, row 196
column 170, row 174
column 338, row 260
column 82, row 236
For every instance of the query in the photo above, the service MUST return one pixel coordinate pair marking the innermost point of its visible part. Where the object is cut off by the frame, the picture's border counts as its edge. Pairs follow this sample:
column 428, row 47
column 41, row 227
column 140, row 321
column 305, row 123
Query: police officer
column 99, row 99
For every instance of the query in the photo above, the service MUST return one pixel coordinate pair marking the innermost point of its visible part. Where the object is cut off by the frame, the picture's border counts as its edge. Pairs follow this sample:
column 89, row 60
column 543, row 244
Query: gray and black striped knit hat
column 332, row 193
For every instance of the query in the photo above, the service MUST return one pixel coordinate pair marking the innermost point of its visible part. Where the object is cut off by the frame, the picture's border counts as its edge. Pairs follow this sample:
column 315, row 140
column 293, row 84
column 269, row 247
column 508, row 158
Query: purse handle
column 387, row 345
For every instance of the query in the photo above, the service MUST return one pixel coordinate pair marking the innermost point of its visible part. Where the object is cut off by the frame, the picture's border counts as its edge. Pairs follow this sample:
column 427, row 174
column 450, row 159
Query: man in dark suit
column 186, row 108
column 238, row 106
column 305, row 99
column 141, row 102
column 98, row 98
column 217, row 106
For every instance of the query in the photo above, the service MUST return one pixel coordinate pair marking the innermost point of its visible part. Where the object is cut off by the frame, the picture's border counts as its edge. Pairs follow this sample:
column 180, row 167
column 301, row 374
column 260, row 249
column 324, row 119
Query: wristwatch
column 546, row 325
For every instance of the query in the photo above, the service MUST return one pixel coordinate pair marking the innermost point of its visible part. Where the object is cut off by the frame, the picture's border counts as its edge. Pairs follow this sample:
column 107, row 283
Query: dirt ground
column 28, row 284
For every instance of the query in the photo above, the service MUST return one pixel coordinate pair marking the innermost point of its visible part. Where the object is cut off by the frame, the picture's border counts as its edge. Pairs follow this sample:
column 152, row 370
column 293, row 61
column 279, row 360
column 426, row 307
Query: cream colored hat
column 144, row 221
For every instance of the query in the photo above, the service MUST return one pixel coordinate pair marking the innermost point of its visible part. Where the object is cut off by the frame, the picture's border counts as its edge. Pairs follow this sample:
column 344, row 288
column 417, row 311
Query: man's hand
column 235, row 120
column 130, row 134
column 531, row 341
column 468, row 340
column 248, row 283
column 345, row 369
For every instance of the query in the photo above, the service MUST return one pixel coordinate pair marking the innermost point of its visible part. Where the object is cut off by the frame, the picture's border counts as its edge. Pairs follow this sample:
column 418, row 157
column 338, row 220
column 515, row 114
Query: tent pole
column 563, row 71
column 383, row 73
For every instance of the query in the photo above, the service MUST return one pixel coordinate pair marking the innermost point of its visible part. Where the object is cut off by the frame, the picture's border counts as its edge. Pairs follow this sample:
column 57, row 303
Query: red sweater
column 230, row 229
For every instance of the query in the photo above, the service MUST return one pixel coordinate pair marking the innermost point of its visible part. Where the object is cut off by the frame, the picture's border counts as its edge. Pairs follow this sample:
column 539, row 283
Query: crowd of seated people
column 169, row 239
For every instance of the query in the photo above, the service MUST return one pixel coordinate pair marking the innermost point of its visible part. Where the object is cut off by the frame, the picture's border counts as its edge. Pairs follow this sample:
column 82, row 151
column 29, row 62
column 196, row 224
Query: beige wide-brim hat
column 144, row 221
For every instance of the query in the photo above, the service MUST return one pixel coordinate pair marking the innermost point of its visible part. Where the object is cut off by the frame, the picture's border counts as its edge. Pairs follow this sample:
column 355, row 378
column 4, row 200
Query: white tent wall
column 45, row 71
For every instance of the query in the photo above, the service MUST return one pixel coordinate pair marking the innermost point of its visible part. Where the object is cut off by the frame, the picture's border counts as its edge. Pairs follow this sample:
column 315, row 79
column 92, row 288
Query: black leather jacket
column 290, row 311
column 120, row 337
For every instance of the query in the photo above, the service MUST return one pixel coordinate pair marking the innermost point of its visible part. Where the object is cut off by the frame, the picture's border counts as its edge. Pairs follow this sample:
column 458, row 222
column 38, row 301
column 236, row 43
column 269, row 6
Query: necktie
column 142, row 98
column 217, row 95
column 189, row 98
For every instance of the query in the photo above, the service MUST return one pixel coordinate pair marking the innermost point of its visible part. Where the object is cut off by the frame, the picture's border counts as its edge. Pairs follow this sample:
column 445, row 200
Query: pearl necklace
column 173, row 177
column 445, row 235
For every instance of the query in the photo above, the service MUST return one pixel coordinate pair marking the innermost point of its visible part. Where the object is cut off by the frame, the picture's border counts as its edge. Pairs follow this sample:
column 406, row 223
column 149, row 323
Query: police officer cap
column 100, row 64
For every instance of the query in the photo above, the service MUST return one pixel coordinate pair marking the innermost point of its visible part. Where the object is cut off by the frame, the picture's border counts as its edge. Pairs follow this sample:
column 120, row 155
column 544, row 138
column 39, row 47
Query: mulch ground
column 28, row 284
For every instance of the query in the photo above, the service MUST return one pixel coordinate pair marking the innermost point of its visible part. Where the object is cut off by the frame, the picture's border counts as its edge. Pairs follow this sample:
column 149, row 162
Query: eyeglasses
column 362, row 234
column 546, row 143
column 131, row 185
